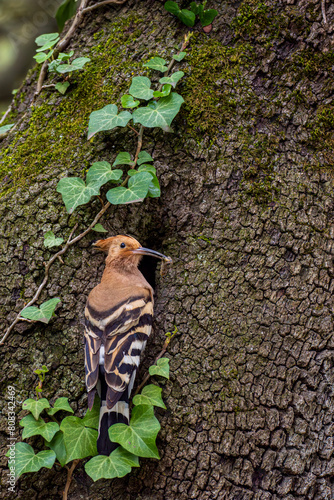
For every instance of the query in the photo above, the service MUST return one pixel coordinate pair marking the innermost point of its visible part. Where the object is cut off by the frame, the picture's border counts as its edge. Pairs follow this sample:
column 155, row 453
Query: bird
column 118, row 322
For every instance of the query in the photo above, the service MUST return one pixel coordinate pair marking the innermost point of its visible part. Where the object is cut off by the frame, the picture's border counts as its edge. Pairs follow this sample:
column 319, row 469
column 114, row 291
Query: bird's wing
column 114, row 339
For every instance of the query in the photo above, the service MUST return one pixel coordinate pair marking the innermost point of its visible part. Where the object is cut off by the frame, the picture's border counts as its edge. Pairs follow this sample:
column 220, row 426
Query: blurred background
column 21, row 21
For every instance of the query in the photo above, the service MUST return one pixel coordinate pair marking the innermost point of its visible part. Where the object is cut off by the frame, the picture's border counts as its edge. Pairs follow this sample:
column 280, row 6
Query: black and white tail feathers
column 114, row 341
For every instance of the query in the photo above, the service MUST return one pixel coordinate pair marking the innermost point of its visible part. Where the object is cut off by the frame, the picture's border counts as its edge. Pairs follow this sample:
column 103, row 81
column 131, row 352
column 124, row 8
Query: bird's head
column 126, row 250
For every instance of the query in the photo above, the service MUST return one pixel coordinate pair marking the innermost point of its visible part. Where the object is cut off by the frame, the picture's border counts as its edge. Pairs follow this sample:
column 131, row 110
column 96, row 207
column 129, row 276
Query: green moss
column 258, row 152
column 209, row 89
column 56, row 133
column 321, row 135
column 204, row 238
column 309, row 63
column 257, row 20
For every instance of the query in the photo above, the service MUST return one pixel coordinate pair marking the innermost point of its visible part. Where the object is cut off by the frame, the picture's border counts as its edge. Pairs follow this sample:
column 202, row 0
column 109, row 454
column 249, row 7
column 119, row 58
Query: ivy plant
column 150, row 108
column 43, row 313
column 5, row 128
column 73, row 438
column 61, row 65
column 188, row 16
column 45, row 43
column 65, row 11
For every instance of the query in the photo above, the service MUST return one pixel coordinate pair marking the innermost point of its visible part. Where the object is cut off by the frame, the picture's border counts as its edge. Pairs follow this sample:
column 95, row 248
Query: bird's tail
column 118, row 414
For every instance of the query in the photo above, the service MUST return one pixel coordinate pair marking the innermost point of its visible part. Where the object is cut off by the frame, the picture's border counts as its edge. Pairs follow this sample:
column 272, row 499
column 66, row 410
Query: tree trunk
column 246, row 212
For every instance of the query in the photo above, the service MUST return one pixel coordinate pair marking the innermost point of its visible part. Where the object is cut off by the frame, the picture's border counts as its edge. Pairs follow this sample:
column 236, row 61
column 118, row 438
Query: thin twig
column 69, row 243
column 6, row 114
column 173, row 61
column 100, row 4
column 69, row 478
column 61, row 45
column 323, row 11
column 139, row 146
column 133, row 129
column 147, row 376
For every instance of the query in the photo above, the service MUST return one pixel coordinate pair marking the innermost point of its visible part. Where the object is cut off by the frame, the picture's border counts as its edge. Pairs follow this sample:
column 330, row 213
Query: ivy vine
column 71, row 439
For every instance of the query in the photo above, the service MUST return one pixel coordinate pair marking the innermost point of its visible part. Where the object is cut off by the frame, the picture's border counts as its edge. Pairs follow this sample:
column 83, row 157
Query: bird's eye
column 122, row 245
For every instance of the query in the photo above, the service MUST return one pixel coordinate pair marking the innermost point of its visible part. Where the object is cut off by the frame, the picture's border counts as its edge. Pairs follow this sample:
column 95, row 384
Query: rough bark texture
column 247, row 207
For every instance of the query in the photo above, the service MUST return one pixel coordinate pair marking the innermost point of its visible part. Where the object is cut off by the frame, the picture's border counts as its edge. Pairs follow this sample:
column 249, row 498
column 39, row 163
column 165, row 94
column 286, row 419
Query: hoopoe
column 118, row 322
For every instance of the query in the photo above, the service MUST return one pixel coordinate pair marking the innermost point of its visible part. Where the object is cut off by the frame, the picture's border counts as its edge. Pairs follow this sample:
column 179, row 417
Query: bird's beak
column 151, row 253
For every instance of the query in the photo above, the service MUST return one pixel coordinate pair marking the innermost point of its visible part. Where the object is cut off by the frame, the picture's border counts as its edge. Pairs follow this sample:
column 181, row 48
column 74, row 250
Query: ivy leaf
column 5, row 128
column 40, row 58
column 172, row 7
column 75, row 65
column 92, row 417
column 100, row 173
column 150, row 395
column 128, row 101
column 42, row 370
column 33, row 427
column 159, row 113
column 27, row 461
column 53, row 65
column 141, row 88
column 57, row 444
column 180, row 56
column 156, row 63
column 99, row 228
column 173, row 79
column 117, row 464
column 154, row 187
column 80, row 440
column 45, row 38
column 35, row 406
column 107, row 119
column 43, row 313
column 60, row 404
column 65, row 11
column 196, row 9
column 123, row 159
column 165, row 91
column 62, row 87
column 207, row 16
column 161, row 368
column 187, row 17
column 75, row 192
column 46, row 41
column 139, row 436
column 143, row 157
column 51, row 241
column 136, row 191
column 146, row 168
column 65, row 56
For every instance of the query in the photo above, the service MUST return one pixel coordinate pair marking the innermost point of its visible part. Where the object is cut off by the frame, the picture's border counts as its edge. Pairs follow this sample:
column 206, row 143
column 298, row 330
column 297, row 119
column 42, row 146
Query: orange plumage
column 118, row 321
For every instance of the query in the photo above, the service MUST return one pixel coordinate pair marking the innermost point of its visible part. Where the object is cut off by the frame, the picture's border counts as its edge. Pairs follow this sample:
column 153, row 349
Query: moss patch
column 56, row 133
column 212, row 79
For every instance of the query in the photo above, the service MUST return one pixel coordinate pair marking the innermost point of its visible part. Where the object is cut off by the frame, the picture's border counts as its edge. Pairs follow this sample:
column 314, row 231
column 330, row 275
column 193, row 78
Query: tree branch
column 62, row 44
column 6, row 114
column 100, row 4
column 323, row 11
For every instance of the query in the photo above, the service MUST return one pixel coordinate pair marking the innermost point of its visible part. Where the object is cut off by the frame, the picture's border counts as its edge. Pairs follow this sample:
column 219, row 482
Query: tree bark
column 246, row 212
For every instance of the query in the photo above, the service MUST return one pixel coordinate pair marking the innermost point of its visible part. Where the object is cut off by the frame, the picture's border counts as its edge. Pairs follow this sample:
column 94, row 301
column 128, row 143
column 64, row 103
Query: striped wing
column 114, row 340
